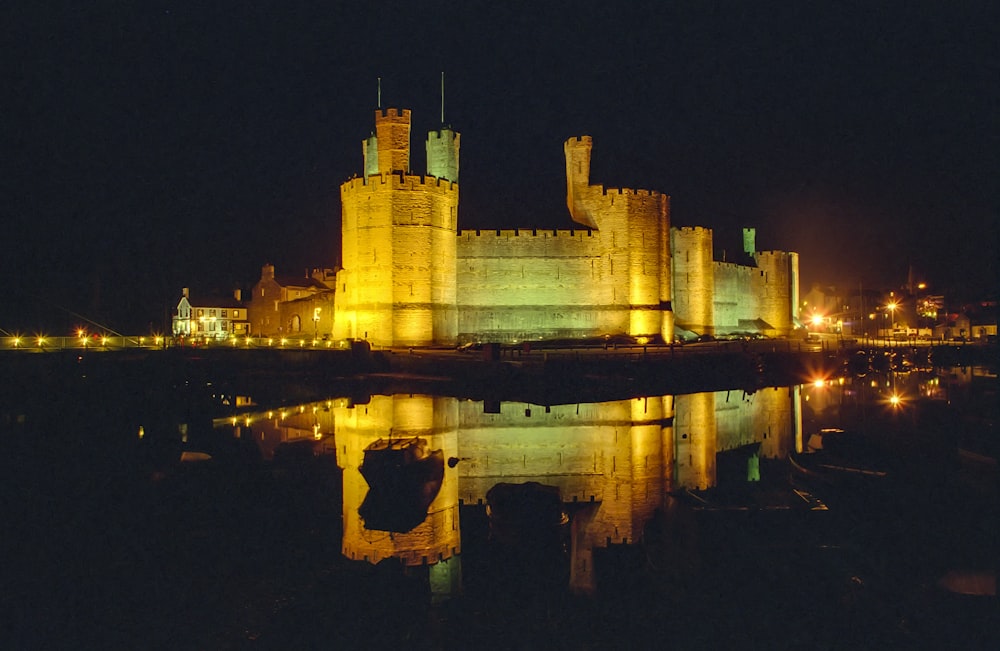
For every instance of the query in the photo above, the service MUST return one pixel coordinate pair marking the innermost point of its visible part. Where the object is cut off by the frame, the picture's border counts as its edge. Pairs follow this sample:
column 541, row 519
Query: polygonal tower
column 635, row 228
column 399, row 231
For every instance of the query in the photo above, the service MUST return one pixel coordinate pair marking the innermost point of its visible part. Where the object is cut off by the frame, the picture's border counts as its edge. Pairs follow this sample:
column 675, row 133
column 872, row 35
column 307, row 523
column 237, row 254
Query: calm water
column 683, row 525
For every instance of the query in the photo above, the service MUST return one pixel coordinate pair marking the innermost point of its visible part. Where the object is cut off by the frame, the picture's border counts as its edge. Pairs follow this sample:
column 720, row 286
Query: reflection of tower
column 399, row 232
column 695, row 440
column 709, row 423
column 668, row 446
column 358, row 426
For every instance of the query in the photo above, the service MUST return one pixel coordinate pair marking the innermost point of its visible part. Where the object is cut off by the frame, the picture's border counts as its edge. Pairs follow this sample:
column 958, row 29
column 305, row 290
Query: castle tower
column 694, row 279
column 399, row 232
column 695, row 440
column 635, row 227
column 779, row 287
column 442, row 154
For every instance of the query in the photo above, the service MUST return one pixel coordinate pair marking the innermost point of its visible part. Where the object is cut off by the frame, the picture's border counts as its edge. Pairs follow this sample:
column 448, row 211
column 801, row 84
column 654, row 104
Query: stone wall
column 522, row 284
column 734, row 301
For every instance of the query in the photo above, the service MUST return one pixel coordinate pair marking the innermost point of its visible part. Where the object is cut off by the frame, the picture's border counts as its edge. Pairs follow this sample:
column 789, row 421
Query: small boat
column 403, row 477
column 526, row 514
column 841, row 460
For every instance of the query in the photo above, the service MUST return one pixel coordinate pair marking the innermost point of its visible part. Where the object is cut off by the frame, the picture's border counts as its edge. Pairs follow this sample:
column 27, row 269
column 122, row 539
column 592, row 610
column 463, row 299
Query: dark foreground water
column 686, row 526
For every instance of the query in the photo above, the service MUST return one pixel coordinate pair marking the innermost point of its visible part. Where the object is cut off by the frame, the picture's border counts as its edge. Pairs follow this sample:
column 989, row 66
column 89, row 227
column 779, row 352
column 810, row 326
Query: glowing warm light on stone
column 411, row 278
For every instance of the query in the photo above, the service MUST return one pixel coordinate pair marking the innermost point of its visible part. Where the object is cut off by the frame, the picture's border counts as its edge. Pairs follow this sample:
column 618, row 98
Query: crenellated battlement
column 443, row 134
column 397, row 180
column 390, row 113
column 629, row 192
column 693, row 230
column 506, row 233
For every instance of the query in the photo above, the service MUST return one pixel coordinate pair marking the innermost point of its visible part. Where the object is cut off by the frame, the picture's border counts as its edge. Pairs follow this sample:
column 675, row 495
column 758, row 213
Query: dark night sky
column 149, row 146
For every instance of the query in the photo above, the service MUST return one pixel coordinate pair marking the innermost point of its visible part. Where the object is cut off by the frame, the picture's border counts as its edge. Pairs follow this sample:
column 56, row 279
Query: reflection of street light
column 891, row 306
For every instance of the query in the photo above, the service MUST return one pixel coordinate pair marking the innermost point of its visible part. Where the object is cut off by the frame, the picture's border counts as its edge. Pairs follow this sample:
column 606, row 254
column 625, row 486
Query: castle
column 410, row 277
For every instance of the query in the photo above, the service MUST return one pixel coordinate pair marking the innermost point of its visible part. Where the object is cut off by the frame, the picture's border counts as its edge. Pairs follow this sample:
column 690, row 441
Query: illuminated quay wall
column 434, row 419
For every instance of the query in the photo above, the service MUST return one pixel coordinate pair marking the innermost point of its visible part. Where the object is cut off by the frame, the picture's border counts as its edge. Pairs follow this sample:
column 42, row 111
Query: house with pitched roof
column 210, row 317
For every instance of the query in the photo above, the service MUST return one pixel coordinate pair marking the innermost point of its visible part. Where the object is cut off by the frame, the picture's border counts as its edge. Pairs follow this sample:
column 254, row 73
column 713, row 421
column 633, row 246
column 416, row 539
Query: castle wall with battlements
column 525, row 284
column 410, row 277
column 734, row 297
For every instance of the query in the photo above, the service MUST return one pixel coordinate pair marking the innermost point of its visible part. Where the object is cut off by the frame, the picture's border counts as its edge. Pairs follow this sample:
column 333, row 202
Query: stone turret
column 577, row 151
column 442, row 154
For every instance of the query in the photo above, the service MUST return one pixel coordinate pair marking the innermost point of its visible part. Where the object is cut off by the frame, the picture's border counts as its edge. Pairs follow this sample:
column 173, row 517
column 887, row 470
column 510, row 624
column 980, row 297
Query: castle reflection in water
column 614, row 462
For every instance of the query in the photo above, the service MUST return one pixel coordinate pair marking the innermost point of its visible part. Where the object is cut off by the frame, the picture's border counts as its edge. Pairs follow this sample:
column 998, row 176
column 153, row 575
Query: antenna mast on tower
column 379, row 93
column 442, row 97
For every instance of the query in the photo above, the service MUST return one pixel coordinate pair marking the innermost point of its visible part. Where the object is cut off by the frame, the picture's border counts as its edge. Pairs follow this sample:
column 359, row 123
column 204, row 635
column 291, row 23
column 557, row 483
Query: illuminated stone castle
column 410, row 277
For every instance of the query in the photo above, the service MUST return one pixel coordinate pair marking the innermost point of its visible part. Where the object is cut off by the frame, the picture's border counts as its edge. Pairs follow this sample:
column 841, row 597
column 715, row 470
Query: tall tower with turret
column 635, row 229
column 399, row 230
